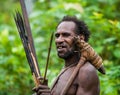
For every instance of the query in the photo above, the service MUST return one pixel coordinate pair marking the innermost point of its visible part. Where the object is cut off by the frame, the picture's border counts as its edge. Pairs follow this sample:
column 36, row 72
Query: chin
column 61, row 56
column 65, row 56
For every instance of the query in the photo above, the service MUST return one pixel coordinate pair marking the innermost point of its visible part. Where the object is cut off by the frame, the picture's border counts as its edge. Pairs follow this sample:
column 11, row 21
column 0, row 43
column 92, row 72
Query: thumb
column 34, row 89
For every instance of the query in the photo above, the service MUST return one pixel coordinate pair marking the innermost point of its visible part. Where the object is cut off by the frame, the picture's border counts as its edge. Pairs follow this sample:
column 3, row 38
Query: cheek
column 71, row 45
column 69, row 40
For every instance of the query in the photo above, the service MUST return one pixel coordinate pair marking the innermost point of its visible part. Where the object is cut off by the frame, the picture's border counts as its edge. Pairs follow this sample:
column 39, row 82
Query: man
column 86, row 81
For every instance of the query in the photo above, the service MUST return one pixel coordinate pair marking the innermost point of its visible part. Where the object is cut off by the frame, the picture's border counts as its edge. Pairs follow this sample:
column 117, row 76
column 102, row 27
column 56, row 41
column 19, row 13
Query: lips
column 60, row 48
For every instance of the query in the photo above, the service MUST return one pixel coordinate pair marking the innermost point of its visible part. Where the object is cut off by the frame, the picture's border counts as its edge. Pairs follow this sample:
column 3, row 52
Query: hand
column 42, row 89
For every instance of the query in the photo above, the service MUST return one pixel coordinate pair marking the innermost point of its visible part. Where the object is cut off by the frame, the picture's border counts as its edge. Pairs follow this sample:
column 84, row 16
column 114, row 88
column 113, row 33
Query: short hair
column 81, row 27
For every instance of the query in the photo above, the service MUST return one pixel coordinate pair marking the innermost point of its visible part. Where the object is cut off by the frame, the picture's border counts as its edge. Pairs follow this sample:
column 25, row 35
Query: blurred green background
column 102, row 18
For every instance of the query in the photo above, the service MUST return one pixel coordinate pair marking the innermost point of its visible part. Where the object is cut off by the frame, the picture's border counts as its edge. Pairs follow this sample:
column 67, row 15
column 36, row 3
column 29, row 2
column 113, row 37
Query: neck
column 72, row 60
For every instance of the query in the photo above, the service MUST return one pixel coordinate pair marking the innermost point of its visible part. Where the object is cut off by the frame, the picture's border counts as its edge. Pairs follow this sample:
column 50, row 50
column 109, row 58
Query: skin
column 86, row 81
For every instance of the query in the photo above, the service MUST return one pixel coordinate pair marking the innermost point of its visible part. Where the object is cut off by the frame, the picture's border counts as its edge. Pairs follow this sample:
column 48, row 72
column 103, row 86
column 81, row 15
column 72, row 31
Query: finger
column 34, row 94
column 34, row 89
column 44, row 91
column 41, row 87
column 45, row 94
column 40, row 78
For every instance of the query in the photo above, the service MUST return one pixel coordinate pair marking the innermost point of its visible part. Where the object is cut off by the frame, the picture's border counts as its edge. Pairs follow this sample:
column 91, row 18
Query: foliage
column 102, row 18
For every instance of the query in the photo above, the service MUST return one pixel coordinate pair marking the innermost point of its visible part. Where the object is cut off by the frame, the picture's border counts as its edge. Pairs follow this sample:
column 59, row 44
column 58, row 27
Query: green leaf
column 116, row 53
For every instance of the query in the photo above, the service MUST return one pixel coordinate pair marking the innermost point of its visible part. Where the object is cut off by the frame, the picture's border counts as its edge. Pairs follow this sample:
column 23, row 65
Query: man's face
column 65, row 39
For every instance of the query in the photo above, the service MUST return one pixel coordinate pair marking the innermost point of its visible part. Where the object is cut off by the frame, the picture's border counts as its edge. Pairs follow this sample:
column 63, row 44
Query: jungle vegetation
column 102, row 18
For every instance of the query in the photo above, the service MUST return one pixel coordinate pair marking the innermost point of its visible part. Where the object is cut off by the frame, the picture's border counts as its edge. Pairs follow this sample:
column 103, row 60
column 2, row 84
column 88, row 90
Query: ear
column 82, row 37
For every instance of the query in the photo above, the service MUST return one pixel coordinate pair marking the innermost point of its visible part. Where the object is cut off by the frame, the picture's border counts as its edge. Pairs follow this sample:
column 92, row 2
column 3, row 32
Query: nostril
column 59, row 43
column 59, row 40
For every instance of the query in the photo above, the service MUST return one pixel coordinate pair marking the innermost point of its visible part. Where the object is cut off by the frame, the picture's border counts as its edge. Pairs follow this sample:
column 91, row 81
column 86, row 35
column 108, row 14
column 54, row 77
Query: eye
column 57, row 35
column 66, row 34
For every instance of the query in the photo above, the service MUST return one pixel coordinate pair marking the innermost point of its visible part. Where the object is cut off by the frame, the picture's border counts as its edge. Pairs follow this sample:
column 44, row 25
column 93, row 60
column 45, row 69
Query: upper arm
column 88, row 82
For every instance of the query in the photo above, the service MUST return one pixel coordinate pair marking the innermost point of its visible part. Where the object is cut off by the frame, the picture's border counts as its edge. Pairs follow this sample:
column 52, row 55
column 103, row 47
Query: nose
column 59, row 40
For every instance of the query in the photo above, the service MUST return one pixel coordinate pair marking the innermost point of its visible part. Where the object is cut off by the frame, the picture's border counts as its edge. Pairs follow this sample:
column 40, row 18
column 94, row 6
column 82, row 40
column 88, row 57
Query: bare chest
column 62, row 81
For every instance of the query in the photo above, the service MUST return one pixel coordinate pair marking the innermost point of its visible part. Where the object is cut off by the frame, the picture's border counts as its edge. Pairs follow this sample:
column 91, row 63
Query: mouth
column 61, row 48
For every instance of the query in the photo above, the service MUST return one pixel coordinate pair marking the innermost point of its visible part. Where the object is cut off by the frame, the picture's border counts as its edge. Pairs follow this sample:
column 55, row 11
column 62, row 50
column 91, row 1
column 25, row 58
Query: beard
column 67, row 55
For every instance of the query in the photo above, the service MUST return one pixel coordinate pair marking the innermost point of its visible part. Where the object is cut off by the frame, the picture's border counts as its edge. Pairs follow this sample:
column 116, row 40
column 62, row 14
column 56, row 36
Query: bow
column 24, row 30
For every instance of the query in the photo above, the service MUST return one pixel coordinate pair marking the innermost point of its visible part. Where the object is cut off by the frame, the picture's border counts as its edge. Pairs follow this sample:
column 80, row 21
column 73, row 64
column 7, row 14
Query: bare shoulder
column 87, row 76
column 87, row 68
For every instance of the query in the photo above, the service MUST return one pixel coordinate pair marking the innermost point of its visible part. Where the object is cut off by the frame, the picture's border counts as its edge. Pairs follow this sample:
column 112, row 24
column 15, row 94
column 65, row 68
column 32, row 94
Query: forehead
column 66, row 26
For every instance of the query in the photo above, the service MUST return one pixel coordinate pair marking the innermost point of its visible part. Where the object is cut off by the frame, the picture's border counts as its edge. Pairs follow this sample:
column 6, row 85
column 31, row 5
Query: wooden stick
column 49, row 50
column 72, row 77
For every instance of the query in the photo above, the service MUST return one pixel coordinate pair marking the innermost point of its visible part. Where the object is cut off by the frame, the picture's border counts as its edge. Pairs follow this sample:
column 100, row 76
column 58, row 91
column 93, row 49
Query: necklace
column 62, row 71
